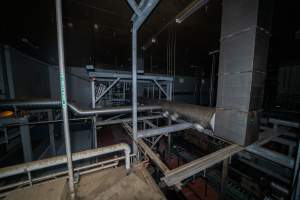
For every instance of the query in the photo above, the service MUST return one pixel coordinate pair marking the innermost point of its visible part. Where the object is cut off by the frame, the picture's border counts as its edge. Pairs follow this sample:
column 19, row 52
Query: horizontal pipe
column 164, row 130
column 58, row 160
column 81, row 170
column 112, row 110
column 82, row 112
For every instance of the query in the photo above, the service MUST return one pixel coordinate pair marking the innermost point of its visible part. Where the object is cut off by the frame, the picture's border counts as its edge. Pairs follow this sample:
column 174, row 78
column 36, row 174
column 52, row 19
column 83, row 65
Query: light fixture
column 189, row 10
column 70, row 24
column 96, row 26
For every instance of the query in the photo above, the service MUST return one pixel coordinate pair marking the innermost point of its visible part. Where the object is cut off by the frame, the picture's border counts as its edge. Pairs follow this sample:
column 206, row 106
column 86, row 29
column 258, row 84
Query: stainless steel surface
column 63, row 94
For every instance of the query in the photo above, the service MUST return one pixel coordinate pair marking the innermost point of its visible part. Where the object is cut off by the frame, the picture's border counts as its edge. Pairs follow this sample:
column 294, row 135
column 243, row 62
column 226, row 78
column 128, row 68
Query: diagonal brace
column 107, row 89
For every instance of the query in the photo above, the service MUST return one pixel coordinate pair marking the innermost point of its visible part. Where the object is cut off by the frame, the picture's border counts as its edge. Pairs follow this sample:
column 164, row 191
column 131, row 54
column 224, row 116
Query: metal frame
column 123, row 81
column 24, row 133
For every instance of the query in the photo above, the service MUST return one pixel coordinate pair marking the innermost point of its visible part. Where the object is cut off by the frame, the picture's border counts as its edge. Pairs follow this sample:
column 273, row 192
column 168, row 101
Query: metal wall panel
column 243, row 60
column 237, row 126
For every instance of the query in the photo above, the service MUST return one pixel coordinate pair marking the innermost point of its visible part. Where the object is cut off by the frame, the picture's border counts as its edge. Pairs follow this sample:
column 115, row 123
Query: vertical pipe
column 63, row 94
column 134, row 90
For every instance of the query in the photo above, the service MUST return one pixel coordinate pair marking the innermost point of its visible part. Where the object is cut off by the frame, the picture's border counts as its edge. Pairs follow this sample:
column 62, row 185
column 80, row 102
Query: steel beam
column 179, row 174
column 161, row 89
column 272, row 155
column 120, row 121
column 153, row 156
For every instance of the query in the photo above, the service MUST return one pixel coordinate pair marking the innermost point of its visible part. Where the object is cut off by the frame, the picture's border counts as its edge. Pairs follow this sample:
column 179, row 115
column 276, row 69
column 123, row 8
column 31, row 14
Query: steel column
column 63, row 93
column 26, row 140
column 51, row 133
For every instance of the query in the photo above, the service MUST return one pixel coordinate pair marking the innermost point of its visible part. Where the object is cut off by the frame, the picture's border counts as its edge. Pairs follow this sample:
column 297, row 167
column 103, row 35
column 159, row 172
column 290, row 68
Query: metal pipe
column 58, row 160
column 75, row 109
column 103, row 165
column 134, row 88
column 63, row 94
column 198, row 114
column 164, row 130
column 141, row 13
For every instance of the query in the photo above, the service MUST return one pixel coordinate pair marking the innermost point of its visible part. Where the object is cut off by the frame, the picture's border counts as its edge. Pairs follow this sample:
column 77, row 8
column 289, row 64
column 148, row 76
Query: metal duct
column 193, row 113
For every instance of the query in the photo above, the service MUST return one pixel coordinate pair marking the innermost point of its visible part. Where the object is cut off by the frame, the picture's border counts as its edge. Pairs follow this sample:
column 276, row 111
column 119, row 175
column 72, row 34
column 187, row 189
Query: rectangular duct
column 243, row 60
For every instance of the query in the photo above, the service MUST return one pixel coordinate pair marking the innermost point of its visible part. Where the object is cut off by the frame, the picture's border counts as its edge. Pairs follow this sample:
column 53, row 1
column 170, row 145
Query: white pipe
column 58, row 160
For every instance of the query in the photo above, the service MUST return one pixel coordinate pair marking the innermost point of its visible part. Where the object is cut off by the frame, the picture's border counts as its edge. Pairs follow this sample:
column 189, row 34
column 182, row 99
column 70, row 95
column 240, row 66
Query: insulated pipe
column 74, row 108
column 58, row 160
column 63, row 94
column 194, row 113
column 112, row 110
